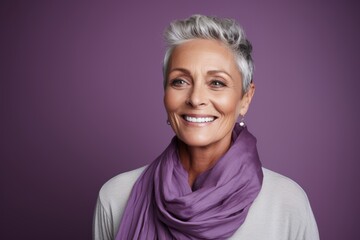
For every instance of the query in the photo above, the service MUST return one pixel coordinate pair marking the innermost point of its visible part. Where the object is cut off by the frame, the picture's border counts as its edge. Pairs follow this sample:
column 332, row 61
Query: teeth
column 199, row 120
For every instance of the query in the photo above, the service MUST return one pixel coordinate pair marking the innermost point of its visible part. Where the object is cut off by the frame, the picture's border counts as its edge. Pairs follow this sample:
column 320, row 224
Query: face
column 203, row 93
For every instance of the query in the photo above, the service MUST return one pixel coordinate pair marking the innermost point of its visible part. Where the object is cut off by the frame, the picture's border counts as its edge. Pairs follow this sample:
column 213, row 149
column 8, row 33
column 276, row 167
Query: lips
column 202, row 119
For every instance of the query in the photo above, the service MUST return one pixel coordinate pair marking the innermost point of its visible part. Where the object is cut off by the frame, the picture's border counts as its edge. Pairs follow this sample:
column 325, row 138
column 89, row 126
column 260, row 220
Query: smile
column 198, row 119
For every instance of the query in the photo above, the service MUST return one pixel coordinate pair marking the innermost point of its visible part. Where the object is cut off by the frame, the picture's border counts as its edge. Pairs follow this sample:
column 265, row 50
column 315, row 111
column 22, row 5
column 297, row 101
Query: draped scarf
column 162, row 205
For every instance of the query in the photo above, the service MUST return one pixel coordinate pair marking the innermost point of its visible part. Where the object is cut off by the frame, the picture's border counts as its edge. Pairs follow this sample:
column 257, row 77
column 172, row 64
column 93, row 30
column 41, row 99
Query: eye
column 217, row 83
column 177, row 82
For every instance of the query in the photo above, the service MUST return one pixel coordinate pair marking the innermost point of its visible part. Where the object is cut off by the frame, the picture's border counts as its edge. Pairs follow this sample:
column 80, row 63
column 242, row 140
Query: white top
column 281, row 211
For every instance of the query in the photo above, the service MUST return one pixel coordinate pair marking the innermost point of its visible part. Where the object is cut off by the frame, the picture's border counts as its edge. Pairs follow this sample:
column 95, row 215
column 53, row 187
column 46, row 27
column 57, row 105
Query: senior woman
column 209, row 182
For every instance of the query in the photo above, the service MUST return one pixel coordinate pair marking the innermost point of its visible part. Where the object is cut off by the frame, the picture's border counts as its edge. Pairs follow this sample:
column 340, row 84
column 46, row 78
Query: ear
column 246, row 99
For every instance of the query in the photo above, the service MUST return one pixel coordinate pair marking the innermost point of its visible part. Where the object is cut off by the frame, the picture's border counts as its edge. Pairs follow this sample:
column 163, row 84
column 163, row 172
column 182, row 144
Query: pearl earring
column 242, row 121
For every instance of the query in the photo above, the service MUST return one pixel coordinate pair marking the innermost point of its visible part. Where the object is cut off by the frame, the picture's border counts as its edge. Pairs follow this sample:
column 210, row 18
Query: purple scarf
column 162, row 205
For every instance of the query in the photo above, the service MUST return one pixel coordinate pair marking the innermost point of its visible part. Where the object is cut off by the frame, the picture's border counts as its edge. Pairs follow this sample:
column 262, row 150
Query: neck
column 197, row 160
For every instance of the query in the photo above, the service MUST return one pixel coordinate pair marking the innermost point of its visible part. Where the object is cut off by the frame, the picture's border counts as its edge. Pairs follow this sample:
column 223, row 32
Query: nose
column 197, row 96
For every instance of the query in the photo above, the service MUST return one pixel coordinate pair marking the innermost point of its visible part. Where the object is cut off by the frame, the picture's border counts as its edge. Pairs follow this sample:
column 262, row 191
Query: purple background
column 81, row 101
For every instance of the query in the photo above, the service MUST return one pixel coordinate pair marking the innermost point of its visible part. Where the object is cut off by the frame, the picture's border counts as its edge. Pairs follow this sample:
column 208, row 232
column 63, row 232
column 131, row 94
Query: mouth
column 193, row 119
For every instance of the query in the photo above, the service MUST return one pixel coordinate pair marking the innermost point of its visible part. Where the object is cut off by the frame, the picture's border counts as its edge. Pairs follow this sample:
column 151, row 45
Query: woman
column 209, row 182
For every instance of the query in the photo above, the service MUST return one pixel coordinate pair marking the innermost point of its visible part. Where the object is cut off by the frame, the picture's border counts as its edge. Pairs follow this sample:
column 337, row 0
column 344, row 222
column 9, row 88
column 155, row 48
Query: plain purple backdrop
column 81, row 101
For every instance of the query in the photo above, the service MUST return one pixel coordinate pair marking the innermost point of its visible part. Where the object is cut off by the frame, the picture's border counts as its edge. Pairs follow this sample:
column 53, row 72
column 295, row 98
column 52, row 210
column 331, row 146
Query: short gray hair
column 225, row 30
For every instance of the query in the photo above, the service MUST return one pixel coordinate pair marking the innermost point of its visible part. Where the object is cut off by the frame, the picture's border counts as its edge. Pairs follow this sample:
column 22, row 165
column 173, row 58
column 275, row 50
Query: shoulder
column 114, row 193
column 282, row 198
column 281, row 210
column 119, row 187
column 281, row 184
column 111, row 203
column 283, row 190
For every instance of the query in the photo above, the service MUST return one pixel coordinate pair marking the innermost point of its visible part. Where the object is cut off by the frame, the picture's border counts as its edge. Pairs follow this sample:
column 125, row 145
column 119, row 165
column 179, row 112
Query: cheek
column 228, row 104
column 172, row 100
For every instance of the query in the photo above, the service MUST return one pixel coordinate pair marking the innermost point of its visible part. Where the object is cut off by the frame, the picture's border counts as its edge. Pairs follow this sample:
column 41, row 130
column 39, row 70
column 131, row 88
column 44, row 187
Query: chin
column 197, row 141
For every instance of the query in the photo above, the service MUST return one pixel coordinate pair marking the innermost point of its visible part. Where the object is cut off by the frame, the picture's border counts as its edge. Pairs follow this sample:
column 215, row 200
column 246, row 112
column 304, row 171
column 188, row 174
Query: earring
column 242, row 121
column 168, row 122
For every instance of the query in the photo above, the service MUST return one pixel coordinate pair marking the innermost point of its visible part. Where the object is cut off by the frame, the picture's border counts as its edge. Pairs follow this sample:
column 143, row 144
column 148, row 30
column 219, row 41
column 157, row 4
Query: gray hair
column 225, row 30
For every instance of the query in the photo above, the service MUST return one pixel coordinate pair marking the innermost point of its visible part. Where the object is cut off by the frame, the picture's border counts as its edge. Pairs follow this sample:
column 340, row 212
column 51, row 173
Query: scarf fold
column 162, row 205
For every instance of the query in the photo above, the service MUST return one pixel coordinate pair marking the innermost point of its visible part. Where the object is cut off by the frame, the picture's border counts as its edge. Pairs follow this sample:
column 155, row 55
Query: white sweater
column 281, row 211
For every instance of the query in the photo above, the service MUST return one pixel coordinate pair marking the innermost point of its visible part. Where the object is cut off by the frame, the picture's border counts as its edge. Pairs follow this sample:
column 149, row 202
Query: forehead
column 203, row 52
column 203, row 55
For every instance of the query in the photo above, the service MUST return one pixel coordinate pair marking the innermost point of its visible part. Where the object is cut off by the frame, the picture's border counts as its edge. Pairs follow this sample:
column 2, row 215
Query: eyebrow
column 181, row 70
column 211, row 72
